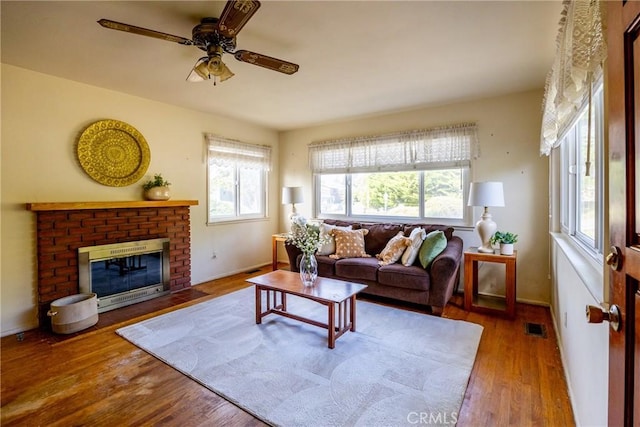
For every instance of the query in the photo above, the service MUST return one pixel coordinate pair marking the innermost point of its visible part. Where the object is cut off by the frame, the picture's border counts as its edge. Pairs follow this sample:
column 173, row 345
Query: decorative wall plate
column 113, row 153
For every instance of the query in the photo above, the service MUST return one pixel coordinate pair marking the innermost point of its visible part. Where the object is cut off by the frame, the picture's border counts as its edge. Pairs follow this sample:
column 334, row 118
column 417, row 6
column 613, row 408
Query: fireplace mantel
column 69, row 206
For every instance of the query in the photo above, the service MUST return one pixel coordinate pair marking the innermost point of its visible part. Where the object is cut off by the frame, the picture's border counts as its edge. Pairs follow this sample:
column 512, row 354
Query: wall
column 584, row 347
column 42, row 117
column 509, row 129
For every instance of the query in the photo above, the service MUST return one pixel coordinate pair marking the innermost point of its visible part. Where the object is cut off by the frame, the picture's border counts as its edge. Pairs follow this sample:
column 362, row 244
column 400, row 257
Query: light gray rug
column 398, row 368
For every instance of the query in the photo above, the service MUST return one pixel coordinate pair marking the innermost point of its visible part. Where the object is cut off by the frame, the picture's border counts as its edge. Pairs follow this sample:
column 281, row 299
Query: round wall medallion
column 113, row 153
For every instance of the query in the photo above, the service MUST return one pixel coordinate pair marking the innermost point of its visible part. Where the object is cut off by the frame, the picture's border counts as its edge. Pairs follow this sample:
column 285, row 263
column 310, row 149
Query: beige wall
column 509, row 129
column 42, row 117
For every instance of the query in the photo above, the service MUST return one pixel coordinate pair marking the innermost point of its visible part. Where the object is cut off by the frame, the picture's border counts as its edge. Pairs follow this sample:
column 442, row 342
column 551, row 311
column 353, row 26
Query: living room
column 43, row 114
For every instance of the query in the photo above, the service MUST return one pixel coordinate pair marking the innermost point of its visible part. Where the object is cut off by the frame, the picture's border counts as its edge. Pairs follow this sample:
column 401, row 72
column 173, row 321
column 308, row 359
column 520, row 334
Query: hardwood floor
column 97, row 378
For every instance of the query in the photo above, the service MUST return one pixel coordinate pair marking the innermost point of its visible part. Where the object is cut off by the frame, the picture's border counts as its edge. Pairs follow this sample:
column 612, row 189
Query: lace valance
column 441, row 147
column 225, row 151
column 581, row 51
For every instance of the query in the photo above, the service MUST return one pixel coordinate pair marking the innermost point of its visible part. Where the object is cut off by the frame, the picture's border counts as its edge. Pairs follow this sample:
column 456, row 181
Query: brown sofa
column 432, row 287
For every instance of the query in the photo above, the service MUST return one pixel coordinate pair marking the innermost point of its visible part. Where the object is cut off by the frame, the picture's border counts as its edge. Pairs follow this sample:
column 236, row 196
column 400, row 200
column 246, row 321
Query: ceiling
column 357, row 58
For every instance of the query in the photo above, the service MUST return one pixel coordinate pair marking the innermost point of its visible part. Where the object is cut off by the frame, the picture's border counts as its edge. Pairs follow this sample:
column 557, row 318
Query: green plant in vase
column 506, row 240
column 157, row 188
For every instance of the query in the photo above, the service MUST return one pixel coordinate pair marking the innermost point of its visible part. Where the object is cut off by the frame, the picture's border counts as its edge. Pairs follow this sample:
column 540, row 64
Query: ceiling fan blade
column 236, row 13
column 266, row 61
column 113, row 25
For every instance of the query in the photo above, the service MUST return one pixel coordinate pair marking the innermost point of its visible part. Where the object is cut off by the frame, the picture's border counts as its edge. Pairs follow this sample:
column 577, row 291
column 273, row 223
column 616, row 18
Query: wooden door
column 623, row 108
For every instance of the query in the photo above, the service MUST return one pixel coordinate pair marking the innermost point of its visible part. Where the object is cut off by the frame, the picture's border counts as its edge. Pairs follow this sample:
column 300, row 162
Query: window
column 237, row 179
column 581, row 178
column 413, row 175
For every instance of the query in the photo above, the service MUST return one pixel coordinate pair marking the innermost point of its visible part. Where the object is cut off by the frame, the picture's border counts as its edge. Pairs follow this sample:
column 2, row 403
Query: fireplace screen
column 124, row 273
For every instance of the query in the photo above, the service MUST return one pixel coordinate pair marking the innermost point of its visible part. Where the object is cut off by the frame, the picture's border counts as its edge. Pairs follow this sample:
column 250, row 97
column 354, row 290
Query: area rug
column 398, row 368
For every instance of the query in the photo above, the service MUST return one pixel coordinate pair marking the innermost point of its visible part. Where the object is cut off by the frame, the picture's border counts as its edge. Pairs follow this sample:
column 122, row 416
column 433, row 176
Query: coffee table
column 328, row 292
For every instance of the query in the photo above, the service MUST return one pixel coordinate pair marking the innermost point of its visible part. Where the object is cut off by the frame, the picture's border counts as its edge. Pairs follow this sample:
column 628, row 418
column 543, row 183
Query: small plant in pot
column 506, row 240
column 157, row 188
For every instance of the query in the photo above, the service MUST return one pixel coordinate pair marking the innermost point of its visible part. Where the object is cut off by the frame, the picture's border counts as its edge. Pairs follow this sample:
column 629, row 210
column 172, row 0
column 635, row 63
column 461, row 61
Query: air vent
column 535, row 329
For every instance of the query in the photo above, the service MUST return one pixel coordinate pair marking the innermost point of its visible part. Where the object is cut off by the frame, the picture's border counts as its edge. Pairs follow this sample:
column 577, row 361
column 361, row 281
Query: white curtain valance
column 225, row 151
column 581, row 51
column 442, row 147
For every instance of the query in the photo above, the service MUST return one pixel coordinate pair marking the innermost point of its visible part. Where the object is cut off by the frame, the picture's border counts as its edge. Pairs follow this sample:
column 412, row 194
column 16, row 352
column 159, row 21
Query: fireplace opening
column 125, row 273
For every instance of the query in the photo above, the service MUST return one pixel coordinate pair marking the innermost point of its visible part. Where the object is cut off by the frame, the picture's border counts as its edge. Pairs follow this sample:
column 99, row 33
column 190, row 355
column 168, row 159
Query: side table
column 485, row 303
column 275, row 238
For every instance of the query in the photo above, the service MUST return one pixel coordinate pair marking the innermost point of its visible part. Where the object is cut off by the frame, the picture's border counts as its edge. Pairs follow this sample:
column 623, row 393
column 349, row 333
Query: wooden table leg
column 332, row 325
column 274, row 253
column 352, row 315
column 258, row 305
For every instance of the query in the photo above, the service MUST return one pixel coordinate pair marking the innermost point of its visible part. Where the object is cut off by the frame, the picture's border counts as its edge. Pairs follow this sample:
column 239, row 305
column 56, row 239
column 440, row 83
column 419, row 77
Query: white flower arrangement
column 305, row 236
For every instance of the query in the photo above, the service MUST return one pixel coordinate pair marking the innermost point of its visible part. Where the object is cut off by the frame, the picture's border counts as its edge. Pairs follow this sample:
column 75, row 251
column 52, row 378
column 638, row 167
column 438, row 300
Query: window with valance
column 416, row 174
column 237, row 179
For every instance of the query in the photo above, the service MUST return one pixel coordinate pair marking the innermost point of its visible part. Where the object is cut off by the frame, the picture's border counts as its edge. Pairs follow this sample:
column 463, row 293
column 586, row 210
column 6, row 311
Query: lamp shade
column 487, row 193
column 292, row 195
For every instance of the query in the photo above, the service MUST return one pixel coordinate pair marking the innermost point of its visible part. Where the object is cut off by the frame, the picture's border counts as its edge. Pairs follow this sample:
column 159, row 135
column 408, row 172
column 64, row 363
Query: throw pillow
column 433, row 245
column 329, row 247
column 394, row 249
column 417, row 236
column 349, row 243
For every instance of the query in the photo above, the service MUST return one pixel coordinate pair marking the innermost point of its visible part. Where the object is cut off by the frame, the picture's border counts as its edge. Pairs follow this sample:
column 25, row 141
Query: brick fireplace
column 62, row 228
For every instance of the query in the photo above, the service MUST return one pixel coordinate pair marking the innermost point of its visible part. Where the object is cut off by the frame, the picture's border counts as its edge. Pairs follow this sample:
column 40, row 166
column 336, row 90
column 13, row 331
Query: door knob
column 598, row 315
column 614, row 259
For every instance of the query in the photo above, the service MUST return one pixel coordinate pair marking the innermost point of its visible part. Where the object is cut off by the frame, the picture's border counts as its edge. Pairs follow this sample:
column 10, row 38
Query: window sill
column 589, row 271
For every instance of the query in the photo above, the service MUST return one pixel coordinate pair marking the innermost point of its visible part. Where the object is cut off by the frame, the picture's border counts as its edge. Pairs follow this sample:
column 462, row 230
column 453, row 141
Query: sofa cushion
column 428, row 228
column 357, row 268
column 379, row 235
column 329, row 247
column 399, row 276
column 326, row 266
column 433, row 245
column 416, row 238
column 349, row 243
column 393, row 249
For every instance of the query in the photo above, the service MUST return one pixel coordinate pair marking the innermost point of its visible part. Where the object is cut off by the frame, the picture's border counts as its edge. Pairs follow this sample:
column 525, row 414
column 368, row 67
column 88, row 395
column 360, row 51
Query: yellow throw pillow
column 349, row 243
column 394, row 249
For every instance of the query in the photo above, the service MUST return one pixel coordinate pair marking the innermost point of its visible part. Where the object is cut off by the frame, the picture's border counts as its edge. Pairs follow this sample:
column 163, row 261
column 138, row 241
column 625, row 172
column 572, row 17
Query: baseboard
column 563, row 360
column 231, row 273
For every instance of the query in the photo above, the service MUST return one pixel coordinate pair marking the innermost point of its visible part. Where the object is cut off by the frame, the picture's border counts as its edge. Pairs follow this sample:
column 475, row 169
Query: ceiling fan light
column 198, row 72
column 226, row 73
column 202, row 70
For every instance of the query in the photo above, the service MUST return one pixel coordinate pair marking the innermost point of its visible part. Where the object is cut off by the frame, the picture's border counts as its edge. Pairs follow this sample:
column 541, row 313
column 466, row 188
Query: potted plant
column 506, row 240
column 157, row 188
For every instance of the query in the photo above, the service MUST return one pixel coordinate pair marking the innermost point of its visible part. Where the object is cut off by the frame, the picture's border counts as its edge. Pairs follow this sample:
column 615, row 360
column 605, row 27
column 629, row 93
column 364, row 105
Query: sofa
column 432, row 286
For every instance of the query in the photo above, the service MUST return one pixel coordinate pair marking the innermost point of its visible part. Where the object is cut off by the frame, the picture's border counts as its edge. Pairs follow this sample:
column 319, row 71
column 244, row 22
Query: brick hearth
column 63, row 228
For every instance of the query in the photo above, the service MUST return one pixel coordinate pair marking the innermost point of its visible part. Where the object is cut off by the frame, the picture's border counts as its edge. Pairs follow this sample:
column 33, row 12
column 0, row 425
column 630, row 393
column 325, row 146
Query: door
column 623, row 108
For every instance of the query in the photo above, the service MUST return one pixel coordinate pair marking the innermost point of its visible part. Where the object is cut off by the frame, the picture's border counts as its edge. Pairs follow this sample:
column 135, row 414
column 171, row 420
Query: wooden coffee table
column 329, row 292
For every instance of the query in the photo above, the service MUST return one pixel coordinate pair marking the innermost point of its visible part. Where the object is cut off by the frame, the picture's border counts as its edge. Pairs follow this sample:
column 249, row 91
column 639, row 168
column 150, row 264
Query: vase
column 158, row 193
column 308, row 269
column 506, row 248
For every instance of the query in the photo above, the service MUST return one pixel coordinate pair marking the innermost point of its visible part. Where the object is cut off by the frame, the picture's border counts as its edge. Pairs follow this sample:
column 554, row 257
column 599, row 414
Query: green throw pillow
column 433, row 245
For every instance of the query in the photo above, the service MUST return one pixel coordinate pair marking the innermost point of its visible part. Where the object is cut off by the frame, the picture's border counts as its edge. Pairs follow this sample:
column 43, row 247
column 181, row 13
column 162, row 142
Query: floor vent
column 535, row 329
column 252, row 271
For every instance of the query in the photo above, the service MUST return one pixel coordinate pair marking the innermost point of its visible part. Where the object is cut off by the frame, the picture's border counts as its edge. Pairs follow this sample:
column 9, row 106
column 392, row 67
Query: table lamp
column 292, row 195
column 486, row 194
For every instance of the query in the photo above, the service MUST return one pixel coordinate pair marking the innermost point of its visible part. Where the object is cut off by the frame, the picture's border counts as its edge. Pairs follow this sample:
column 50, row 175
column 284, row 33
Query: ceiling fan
column 215, row 36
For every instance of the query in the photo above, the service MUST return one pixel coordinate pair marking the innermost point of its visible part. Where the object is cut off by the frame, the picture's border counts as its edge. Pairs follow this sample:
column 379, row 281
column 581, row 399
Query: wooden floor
column 97, row 378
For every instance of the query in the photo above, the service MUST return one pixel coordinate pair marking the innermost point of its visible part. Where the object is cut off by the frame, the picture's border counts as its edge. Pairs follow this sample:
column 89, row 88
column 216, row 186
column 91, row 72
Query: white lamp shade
column 292, row 195
column 487, row 193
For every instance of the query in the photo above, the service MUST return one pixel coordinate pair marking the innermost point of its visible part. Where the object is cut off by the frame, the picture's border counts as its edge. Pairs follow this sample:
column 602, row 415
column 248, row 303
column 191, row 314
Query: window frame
column 467, row 211
column 237, row 216
column 570, row 184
